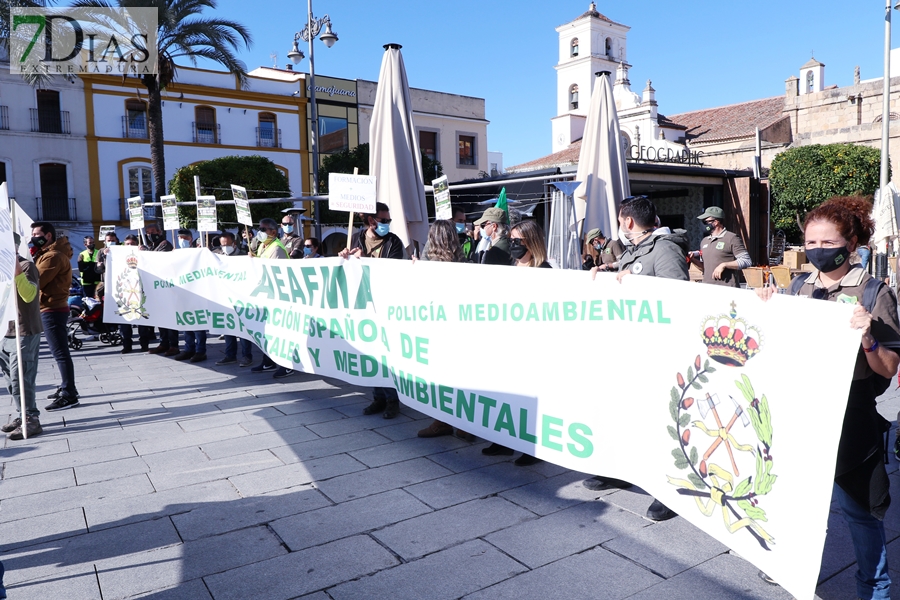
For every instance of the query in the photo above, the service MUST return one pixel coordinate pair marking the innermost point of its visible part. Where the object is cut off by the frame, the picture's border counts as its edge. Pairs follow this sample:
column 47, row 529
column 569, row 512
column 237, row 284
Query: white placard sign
column 170, row 212
column 351, row 193
column 442, row 208
column 136, row 212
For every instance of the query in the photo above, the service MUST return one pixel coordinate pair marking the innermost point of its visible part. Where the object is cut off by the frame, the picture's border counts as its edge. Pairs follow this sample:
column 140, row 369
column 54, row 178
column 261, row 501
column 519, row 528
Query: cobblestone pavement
column 177, row 480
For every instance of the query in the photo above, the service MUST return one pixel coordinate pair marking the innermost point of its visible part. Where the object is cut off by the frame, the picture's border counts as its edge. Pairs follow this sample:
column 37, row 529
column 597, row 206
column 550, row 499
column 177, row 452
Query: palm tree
column 181, row 33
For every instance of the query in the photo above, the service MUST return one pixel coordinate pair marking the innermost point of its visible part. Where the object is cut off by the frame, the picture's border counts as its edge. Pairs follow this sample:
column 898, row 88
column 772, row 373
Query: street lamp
column 886, row 95
column 328, row 37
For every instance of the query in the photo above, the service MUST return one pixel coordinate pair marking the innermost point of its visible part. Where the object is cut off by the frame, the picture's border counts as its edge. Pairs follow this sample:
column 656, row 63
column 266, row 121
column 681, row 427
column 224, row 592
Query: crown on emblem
column 730, row 340
column 132, row 261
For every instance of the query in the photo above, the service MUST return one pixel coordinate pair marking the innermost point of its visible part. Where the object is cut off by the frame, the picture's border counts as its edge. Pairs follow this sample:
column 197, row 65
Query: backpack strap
column 870, row 293
column 797, row 283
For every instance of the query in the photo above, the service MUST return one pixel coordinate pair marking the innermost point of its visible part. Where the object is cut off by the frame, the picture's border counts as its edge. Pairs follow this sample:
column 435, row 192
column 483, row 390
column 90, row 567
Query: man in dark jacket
column 53, row 261
column 375, row 240
column 156, row 239
column 655, row 252
column 493, row 227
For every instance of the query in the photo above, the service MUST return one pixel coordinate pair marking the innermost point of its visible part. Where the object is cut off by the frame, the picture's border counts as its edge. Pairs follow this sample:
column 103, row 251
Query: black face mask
column 828, row 259
column 517, row 251
column 154, row 238
column 39, row 241
column 708, row 228
column 90, row 246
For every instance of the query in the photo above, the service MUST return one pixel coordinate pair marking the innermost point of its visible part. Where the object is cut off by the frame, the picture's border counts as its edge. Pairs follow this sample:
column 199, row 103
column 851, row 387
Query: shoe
column 375, row 407
column 159, row 349
column 12, row 425
column 32, row 428
column 497, row 450
column 172, row 352
column 228, row 360
column 391, row 409
column 762, row 575
column 281, row 373
column 465, row 435
column 262, row 367
column 199, row 357
column 63, row 402
column 185, row 355
column 659, row 511
column 436, row 429
column 245, row 362
column 126, row 351
column 526, row 460
column 57, row 393
column 144, row 348
column 598, row 484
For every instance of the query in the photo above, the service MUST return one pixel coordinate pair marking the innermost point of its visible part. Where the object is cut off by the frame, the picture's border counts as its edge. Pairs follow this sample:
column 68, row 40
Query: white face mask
column 262, row 236
column 108, row 244
column 623, row 237
column 228, row 249
column 183, row 243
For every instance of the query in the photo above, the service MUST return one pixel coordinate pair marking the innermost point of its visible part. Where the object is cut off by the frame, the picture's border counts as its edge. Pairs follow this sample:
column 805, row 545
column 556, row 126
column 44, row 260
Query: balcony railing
column 134, row 128
column 206, row 133
column 56, row 209
column 268, row 138
column 4, row 117
column 50, row 121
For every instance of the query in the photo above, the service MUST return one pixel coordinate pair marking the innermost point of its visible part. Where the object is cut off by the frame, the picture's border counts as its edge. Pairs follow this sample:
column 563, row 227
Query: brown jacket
column 55, row 267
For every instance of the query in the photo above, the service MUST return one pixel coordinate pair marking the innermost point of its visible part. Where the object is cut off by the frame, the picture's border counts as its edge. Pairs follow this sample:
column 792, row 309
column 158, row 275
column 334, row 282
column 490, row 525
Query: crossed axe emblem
column 723, row 433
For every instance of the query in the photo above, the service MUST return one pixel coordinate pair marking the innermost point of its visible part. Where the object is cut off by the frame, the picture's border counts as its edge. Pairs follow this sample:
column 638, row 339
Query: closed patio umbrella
column 601, row 165
column 394, row 156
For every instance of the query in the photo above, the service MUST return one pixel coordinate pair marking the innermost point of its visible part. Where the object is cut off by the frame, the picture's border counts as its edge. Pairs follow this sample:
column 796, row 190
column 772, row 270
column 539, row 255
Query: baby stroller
column 90, row 322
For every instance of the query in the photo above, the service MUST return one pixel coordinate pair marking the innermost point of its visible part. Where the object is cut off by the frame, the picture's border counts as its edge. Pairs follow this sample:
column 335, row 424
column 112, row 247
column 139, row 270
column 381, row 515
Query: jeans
column 9, row 362
column 145, row 334
column 57, row 334
column 231, row 343
column 872, row 579
column 195, row 341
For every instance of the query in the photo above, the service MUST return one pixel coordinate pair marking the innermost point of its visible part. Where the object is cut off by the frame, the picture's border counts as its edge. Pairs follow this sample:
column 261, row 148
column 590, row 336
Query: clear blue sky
column 698, row 53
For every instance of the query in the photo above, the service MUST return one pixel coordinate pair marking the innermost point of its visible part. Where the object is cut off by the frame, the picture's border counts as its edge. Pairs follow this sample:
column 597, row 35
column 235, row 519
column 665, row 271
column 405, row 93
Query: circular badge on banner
column 636, row 268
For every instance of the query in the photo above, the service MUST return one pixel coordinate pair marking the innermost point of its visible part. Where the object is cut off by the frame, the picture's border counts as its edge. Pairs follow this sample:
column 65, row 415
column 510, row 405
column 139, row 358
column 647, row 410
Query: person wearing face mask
column 311, row 248
column 228, row 247
column 601, row 252
column 269, row 246
column 494, row 231
column 292, row 242
column 722, row 253
column 53, row 262
column 156, row 239
column 168, row 344
column 194, row 341
column 832, row 232
column 466, row 240
column 652, row 251
column 88, row 260
column 375, row 240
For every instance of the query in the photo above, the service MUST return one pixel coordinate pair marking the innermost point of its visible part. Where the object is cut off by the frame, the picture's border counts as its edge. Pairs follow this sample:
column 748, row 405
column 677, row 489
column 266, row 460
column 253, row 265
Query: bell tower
column 587, row 45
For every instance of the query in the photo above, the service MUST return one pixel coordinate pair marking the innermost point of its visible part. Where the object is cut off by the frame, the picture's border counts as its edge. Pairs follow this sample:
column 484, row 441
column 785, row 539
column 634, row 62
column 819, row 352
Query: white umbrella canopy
column 394, row 156
column 601, row 164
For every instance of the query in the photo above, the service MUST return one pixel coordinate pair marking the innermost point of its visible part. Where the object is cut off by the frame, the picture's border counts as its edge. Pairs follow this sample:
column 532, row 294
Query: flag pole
column 15, row 294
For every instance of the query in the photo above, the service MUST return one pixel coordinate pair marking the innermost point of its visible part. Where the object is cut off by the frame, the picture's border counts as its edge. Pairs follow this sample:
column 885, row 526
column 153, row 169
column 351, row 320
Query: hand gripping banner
column 704, row 396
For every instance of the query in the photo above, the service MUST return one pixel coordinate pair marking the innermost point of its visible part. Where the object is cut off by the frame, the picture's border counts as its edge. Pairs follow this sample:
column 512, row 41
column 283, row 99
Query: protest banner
column 441, row 187
column 697, row 407
column 136, row 212
column 206, row 214
column 9, row 310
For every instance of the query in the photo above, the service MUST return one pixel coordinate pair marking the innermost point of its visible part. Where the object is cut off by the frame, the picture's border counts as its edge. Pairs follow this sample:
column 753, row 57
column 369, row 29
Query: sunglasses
column 307, row 245
column 382, row 221
column 516, row 241
column 286, row 224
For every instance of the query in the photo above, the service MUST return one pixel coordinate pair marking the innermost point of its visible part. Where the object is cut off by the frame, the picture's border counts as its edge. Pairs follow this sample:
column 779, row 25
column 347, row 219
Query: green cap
column 494, row 215
column 713, row 212
column 594, row 233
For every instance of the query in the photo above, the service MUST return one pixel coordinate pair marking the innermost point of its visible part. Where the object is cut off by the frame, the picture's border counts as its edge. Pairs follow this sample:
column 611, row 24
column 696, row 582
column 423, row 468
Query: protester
column 443, row 246
column 194, row 341
column 228, row 247
column 494, row 231
column 26, row 281
column 466, row 241
column 651, row 251
column 832, row 232
column 722, row 253
column 292, row 242
column 145, row 333
column 375, row 240
column 168, row 338
column 156, row 239
column 311, row 248
column 601, row 252
column 53, row 262
column 87, row 266
column 269, row 246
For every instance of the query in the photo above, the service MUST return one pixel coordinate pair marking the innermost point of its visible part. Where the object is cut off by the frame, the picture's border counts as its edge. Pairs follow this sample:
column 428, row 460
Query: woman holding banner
column 832, row 232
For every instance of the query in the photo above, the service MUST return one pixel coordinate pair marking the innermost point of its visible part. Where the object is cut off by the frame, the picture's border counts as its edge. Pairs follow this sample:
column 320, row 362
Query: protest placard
column 241, row 205
column 206, row 214
column 352, row 193
column 136, row 212
column 441, row 187
column 170, row 213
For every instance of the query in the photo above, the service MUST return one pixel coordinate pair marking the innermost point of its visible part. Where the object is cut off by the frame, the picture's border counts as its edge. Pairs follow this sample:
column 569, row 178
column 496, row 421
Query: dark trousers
column 145, row 334
column 89, row 289
column 168, row 338
column 56, row 332
column 386, row 394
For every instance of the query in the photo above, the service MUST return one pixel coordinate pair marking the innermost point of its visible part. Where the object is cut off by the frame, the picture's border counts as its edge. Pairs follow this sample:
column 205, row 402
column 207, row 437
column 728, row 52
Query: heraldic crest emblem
column 128, row 291
column 724, row 435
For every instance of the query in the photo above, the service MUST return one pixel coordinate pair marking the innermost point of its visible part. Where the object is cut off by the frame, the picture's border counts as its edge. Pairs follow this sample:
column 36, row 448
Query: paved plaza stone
column 180, row 481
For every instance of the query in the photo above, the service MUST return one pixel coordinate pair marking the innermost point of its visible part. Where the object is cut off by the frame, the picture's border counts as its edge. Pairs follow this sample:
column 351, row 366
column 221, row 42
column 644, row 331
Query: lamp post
column 328, row 37
column 886, row 95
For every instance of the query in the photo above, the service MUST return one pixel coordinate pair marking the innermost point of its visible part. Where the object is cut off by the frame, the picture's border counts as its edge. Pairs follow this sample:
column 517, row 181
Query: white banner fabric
column 704, row 396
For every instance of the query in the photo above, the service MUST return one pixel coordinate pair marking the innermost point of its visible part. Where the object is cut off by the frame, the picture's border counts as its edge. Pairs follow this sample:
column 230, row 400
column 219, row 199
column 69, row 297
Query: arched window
column 573, row 97
column 810, row 78
column 626, row 142
column 135, row 125
column 267, row 132
column 205, row 129
column 575, row 47
column 609, row 48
